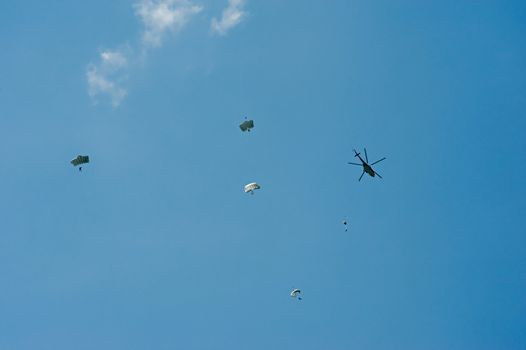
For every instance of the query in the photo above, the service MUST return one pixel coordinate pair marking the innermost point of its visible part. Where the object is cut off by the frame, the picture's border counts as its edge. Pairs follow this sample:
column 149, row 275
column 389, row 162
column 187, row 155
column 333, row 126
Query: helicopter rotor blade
column 354, row 163
column 366, row 159
column 363, row 172
column 378, row 161
column 380, row 176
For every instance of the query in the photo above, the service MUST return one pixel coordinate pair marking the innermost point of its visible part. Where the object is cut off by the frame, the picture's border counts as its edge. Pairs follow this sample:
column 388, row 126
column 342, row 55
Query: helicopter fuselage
column 367, row 168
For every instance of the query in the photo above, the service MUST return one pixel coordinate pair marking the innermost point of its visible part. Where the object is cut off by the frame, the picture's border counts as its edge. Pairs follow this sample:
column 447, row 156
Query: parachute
column 295, row 293
column 80, row 160
column 251, row 187
column 246, row 125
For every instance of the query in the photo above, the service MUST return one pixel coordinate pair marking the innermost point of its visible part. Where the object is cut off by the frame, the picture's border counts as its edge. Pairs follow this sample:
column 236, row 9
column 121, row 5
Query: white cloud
column 160, row 16
column 105, row 77
column 114, row 59
column 232, row 15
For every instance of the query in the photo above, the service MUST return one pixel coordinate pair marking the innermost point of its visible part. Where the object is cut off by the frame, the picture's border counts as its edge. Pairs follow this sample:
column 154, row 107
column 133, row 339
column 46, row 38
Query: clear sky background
column 155, row 246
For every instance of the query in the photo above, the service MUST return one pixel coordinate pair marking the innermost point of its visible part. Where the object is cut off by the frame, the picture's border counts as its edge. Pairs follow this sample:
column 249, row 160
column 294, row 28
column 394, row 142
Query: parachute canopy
column 251, row 187
column 80, row 160
column 295, row 293
column 246, row 125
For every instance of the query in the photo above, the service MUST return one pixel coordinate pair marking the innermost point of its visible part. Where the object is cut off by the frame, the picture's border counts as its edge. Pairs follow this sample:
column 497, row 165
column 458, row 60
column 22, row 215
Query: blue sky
column 155, row 246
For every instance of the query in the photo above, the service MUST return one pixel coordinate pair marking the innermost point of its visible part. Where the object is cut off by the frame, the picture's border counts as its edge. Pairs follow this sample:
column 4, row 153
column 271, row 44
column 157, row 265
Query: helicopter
column 366, row 166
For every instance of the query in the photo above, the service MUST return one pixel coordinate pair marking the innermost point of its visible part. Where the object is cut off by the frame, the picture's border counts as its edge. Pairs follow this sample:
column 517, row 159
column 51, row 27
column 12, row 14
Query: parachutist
column 79, row 160
column 246, row 125
column 295, row 294
column 251, row 187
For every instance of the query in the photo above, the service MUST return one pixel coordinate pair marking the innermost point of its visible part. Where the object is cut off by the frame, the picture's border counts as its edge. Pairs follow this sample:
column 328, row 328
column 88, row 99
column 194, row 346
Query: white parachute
column 251, row 187
column 246, row 125
column 295, row 293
